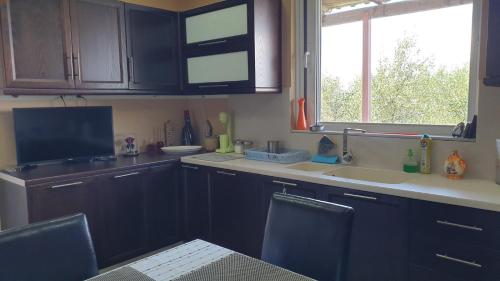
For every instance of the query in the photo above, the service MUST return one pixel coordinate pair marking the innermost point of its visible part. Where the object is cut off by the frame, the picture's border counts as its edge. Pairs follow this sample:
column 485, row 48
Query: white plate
column 181, row 149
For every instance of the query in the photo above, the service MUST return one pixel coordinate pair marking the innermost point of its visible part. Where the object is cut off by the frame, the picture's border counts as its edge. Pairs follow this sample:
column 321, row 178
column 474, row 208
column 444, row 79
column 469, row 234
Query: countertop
column 474, row 193
column 57, row 172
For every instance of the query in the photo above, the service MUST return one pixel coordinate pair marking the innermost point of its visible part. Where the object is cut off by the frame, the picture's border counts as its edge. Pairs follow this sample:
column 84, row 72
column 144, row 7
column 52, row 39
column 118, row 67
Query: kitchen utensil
column 273, row 147
column 226, row 140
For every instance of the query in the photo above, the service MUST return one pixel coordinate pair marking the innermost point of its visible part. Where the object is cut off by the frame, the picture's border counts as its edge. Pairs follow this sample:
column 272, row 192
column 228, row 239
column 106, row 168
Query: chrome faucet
column 347, row 153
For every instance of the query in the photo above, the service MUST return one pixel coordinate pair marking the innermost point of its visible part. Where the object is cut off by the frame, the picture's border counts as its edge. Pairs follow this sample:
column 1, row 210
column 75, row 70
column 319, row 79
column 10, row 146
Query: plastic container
column 286, row 157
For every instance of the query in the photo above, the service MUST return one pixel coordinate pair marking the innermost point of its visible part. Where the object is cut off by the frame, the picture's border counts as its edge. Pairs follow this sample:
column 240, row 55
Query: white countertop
column 474, row 193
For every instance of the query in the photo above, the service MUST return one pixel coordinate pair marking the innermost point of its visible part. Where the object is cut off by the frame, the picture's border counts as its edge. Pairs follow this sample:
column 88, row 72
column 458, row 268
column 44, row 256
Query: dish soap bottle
column 410, row 165
column 425, row 160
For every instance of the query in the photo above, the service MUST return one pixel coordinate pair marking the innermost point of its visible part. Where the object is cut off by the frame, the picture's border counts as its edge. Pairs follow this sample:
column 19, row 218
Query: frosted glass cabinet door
column 220, row 68
column 218, row 24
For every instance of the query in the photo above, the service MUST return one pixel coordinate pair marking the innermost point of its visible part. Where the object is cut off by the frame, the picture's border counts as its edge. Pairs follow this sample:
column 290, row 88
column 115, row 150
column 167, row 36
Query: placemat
column 122, row 274
column 237, row 267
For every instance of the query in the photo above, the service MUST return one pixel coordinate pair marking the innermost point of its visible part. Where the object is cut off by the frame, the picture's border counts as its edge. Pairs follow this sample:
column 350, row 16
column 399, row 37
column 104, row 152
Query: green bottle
column 410, row 165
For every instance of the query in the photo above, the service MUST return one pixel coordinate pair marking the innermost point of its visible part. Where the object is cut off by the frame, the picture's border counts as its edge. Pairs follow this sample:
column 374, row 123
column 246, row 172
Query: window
column 395, row 65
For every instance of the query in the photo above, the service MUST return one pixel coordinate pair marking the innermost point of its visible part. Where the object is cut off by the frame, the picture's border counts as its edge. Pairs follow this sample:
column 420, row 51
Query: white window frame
column 308, row 30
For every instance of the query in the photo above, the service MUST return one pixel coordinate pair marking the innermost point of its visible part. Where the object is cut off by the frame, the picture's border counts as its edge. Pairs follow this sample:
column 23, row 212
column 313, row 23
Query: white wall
column 261, row 118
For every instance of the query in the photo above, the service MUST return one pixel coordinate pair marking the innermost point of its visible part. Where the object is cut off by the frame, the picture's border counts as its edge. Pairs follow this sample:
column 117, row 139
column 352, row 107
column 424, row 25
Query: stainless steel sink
column 372, row 175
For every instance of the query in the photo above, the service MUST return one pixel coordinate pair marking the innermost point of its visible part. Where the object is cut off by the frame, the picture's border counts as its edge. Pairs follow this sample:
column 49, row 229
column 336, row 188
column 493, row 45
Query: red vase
column 301, row 119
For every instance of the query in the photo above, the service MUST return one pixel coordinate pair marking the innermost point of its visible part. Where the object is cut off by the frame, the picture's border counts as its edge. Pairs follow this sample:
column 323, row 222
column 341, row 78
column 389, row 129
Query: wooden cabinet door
column 37, row 44
column 99, row 44
column 61, row 199
column 379, row 241
column 122, row 214
column 162, row 203
column 235, row 211
column 196, row 202
column 152, row 45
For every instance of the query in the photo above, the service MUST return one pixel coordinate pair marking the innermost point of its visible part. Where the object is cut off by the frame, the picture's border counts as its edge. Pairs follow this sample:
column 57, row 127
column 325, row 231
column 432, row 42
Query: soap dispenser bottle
column 410, row 165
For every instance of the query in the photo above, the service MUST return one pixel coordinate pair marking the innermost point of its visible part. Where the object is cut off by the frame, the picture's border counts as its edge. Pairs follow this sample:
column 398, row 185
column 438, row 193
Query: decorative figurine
column 455, row 167
column 130, row 149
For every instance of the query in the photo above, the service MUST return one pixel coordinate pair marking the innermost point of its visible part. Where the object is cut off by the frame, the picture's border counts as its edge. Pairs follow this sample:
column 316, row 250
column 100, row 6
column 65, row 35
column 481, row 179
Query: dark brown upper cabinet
column 37, row 44
column 232, row 47
column 99, row 44
column 153, row 49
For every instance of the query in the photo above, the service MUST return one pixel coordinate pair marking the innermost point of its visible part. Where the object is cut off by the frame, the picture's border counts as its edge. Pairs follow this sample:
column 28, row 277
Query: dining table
column 199, row 260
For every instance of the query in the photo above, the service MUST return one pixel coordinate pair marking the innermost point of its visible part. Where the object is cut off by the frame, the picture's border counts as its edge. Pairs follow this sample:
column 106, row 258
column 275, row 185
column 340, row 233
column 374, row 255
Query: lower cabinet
column 163, row 206
column 54, row 200
column 129, row 213
column 121, row 199
column 194, row 180
column 461, row 243
column 379, row 241
column 235, row 210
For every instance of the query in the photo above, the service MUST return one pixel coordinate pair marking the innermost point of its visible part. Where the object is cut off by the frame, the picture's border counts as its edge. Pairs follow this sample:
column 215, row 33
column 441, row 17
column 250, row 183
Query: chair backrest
column 54, row 250
column 308, row 236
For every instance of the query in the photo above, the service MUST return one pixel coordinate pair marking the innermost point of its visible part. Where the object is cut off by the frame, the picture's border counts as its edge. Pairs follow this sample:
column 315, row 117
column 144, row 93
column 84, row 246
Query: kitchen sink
column 367, row 174
column 310, row 167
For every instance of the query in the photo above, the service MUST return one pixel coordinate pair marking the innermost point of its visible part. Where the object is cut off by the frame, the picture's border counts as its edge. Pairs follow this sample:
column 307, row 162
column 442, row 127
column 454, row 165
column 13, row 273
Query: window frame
column 308, row 30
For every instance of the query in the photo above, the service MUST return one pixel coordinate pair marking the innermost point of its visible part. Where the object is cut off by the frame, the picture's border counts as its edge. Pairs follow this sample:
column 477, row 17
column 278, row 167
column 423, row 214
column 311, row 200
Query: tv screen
column 63, row 133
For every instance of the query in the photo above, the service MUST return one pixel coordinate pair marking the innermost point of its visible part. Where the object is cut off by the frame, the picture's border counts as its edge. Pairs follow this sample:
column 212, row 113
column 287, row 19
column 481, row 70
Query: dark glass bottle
column 187, row 130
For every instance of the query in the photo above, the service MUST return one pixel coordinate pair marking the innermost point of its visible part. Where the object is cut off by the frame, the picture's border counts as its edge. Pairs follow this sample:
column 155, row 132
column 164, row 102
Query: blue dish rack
column 286, row 157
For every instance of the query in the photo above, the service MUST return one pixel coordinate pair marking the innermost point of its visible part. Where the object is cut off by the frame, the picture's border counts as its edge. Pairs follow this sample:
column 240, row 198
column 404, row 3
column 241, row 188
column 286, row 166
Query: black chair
column 308, row 236
column 55, row 250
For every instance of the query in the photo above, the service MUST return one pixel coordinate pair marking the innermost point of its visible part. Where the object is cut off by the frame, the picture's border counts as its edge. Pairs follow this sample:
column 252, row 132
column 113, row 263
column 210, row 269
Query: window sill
column 393, row 136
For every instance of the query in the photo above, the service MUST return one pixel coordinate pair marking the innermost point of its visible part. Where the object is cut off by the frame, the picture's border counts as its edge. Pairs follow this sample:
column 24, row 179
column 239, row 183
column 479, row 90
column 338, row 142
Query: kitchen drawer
column 461, row 261
column 455, row 224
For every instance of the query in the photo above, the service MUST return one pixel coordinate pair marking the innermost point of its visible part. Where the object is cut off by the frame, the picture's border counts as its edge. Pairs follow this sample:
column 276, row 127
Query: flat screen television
column 63, row 134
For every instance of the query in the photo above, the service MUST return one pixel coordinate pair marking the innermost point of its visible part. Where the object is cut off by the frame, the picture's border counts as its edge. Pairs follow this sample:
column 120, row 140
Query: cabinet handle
column 213, row 86
column 190, row 167
column 285, row 183
column 463, row 226
column 469, row 263
column 226, row 173
column 69, row 67
column 127, row 175
column 360, row 196
column 66, row 185
column 212, row 43
column 76, row 66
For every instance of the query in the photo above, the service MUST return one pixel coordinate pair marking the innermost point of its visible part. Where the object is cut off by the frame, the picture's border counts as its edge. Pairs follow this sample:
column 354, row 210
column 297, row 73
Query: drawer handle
column 213, row 86
column 360, row 196
column 226, row 173
column 126, row 175
column 463, row 226
column 190, row 167
column 66, row 185
column 448, row 258
column 212, row 43
column 285, row 183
